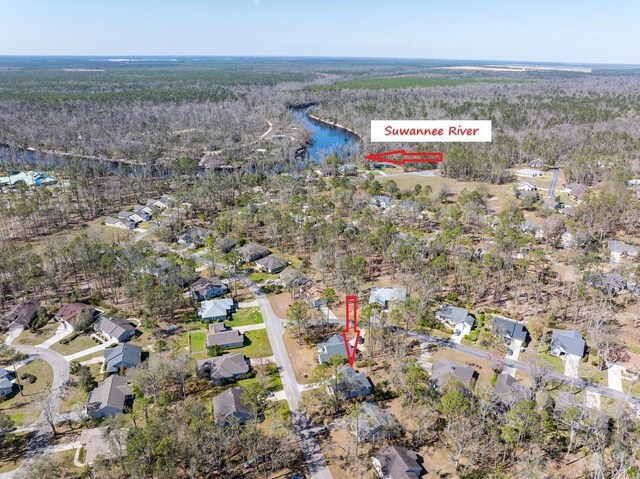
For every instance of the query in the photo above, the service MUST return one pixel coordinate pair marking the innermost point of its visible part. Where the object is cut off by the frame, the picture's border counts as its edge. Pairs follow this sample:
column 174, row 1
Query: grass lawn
column 256, row 345
column 198, row 341
column 81, row 343
column 22, row 409
column 258, row 277
column 73, row 396
column 274, row 409
column 592, row 373
column 145, row 225
column 552, row 362
column 275, row 383
column 245, row 317
column 40, row 336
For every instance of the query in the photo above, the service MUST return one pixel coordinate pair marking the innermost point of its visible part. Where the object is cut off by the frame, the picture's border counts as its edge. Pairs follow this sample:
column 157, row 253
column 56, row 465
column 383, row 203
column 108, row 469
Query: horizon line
column 336, row 57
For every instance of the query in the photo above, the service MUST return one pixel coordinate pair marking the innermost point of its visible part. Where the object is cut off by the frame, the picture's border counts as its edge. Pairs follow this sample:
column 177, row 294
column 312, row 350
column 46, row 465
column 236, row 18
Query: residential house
column 164, row 202
column 98, row 443
column 619, row 250
column 228, row 367
column 552, row 203
column 526, row 186
column 381, row 201
column 112, row 396
column 148, row 210
column 537, row 163
column 123, row 355
column 397, row 462
column 208, row 288
column 293, row 278
column 443, row 370
column 375, row 423
column 157, row 267
column 350, row 384
column 136, row 217
column 455, row 317
column 609, row 283
column 385, row 296
column 333, row 345
column 271, row 264
column 29, row 178
column 510, row 329
column 507, row 391
column 20, row 316
column 69, row 312
column 217, row 309
column 6, row 386
column 568, row 211
column 115, row 328
column 349, row 169
column 252, row 252
column 313, row 296
column 220, row 335
column 228, row 406
column 529, row 172
column 122, row 223
column 193, row 235
column 225, row 244
column 565, row 342
column 577, row 190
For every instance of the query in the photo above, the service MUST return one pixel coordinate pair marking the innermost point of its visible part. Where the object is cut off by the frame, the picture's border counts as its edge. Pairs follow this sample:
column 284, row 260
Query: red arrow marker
column 407, row 157
column 351, row 353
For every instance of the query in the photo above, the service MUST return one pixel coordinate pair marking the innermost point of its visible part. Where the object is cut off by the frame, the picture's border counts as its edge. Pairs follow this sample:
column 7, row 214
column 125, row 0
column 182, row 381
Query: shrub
column 494, row 378
column 28, row 378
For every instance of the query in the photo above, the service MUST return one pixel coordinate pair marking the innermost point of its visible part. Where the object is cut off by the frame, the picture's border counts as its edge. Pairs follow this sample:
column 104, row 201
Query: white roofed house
column 529, row 172
column 526, row 186
column 619, row 250
column 385, row 296
column 122, row 223
column 217, row 309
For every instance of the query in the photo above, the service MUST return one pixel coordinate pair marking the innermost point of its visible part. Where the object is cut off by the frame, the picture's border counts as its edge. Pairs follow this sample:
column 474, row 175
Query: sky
column 579, row 31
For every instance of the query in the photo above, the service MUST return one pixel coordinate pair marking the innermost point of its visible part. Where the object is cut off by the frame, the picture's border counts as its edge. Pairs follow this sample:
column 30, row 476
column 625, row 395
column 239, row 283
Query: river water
column 326, row 139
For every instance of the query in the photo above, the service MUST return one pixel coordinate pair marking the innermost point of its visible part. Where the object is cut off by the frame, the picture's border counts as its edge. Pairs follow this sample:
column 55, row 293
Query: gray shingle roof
column 399, row 463
column 509, row 327
column 569, row 341
column 383, row 295
column 455, row 314
column 352, row 383
column 126, row 355
column 221, row 336
column 444, row 368
column 216, row 308
column 272, row 263
column 20, row 315
column 114, row 327
column 111, row 392
column 374, row 421
column 333, row 345
column 230, row 403
column 226, row 366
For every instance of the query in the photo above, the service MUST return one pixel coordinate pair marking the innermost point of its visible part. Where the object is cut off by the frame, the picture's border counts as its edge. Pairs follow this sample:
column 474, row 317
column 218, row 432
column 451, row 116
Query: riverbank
column 335, row 125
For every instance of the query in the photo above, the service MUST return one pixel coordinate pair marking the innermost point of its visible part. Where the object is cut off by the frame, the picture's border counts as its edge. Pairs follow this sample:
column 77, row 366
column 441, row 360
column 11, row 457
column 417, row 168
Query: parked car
column 457, row 332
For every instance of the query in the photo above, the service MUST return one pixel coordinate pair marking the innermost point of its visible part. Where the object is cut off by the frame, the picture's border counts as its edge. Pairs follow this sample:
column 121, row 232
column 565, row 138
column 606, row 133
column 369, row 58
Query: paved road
column 310, row 448
column 554, row 181
column 528, row 368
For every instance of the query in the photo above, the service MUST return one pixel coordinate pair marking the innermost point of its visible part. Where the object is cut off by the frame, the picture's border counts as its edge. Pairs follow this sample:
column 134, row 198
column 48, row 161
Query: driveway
column 614, row 374
column 515, row 346
column 250, row 327
column 464, row 330
column 87, row 352
column 572, row 366
column 592, row 399
column 61, row 333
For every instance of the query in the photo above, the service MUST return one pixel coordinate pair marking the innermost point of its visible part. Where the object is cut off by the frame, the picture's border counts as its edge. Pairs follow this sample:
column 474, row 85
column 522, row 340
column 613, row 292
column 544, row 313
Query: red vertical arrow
column 351, row 302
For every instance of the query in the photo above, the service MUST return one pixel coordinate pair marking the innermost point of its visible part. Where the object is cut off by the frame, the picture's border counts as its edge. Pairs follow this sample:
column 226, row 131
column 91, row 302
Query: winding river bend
column 327, row 139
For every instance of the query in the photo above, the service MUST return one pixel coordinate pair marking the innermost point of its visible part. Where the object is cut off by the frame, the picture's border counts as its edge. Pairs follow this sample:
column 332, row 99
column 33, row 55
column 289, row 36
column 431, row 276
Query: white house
column 529, row 172
column 526, row 186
